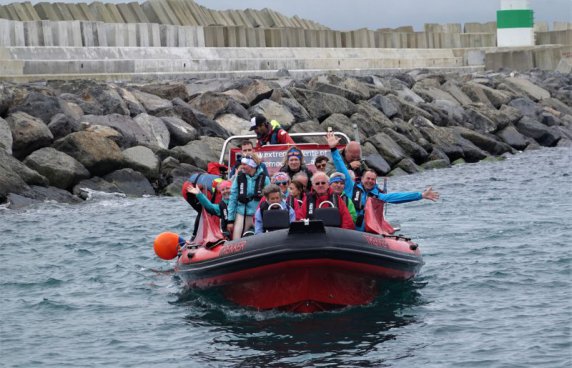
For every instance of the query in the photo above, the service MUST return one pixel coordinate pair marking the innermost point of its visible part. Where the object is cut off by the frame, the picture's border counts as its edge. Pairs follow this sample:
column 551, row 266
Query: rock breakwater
column 61, row 139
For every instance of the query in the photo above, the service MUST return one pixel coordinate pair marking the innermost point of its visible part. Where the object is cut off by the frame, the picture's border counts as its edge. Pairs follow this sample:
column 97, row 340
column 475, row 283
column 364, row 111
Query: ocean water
column 80, row 285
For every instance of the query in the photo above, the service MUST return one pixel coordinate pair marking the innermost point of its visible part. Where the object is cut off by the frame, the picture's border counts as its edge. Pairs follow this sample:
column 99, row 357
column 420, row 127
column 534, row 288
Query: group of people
column 243, row 201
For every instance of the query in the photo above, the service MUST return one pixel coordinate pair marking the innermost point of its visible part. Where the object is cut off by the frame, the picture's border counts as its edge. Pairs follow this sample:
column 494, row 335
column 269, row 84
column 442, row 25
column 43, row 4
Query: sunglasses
column 320, row 183
column 281, row 182
column 320, row 166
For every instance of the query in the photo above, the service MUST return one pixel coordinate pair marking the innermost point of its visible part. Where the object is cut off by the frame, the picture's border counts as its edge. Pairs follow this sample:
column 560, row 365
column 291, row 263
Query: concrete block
column 474, row 57
column 138, row 12
column 154, row 35
column 520, row 60
column 168, row 35
column 346, row 40
column 88, row 34
column 88, row 14
column 179, row 11
column 47, row 34
column 5, row 30
column 30, row 11
column 76, row 12
column 62, row 12
column 127, row 13
column 45, row 11
column 142, row 32
column 547, row 58
column 99, row 10
column 241, row 36
column 59, row 33
column 114, row 13
column 18, row 10
column 554, row 38
column 4, row 13
column 11, row 67
column 198, row 13
column 253, row 18
column 561, row 26
column 31, row 34
column 116, row 34
column 130, row 30
column 472, row 40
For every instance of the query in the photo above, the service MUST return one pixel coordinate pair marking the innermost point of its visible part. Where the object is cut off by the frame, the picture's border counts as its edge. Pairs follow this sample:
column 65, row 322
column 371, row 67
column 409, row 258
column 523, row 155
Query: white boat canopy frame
column 293, row 135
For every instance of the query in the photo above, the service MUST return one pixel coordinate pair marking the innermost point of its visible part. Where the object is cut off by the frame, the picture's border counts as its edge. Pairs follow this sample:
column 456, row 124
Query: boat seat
column 275, row 219
column 329, row 216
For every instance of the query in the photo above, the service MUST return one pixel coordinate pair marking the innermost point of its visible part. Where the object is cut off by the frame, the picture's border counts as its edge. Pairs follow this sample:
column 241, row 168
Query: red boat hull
column 305, row 276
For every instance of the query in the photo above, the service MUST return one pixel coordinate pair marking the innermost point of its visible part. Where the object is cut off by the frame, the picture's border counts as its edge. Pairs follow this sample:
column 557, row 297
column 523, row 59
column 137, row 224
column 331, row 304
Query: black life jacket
column 311, row 203
column 223, row 207
column 243, row 197
column 357, row 200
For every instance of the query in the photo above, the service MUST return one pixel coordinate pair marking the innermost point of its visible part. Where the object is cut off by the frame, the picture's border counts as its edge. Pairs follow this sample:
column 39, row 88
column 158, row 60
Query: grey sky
column 353, row 14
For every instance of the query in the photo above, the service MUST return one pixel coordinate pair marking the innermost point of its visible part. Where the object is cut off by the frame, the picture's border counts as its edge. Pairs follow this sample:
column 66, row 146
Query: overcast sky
column 373, row 14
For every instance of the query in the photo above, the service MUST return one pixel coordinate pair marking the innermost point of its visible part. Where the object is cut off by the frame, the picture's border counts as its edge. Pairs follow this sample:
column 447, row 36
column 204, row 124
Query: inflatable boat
column 305, row 266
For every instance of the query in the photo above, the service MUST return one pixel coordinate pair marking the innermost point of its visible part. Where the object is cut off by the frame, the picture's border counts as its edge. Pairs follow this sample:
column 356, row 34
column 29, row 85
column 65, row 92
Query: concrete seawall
column 170, row 38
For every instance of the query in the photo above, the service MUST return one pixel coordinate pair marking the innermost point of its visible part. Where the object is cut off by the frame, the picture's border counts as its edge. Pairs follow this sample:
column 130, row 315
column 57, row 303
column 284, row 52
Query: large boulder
column 10, row 181
column 366, row 125
column 476, row 93
column 408, row 95
column 480, row 121
column 545, row 136
column 321, row 105
column 255, row 90
column 130, row 182
column 199, row 153
column 43, row 194
column 238, row 96
column 430, row 94
column 234, row 124
column 132, row 133
column 62, row 125
column 338, row 123
column 411, row 149
column 387, row 148
column 107, row 97
column 142, row 159
column 377, row 118
column 61, row 170
column 204, row 125
column 525, row 106
column 181, row 133
column 336, row 90
column 84, row 188
column 298, row 111
column 39, row 106
column 5, row 137
column 450, row 142
column 454, row 89
column 384, row 104
column 157, row 134
column 98, row 154
column 525, row 86
column 28, row 133
column 309, row 126
column 167, row 91
column 409, row 110
column 487, row 143
column 151, row 103
column 135, row 107
column 273, row 111
column 408, row 165
column 513, row 138
column 6, row 98
column 212, row 105
column 376, row 162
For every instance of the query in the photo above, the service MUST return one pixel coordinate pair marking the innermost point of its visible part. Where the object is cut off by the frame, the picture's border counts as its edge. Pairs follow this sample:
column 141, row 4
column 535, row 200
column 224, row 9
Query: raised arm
column 338, row 161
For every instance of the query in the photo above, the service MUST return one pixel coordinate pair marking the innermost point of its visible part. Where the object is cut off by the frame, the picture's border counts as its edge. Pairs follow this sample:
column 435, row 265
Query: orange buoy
column 166, row 245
